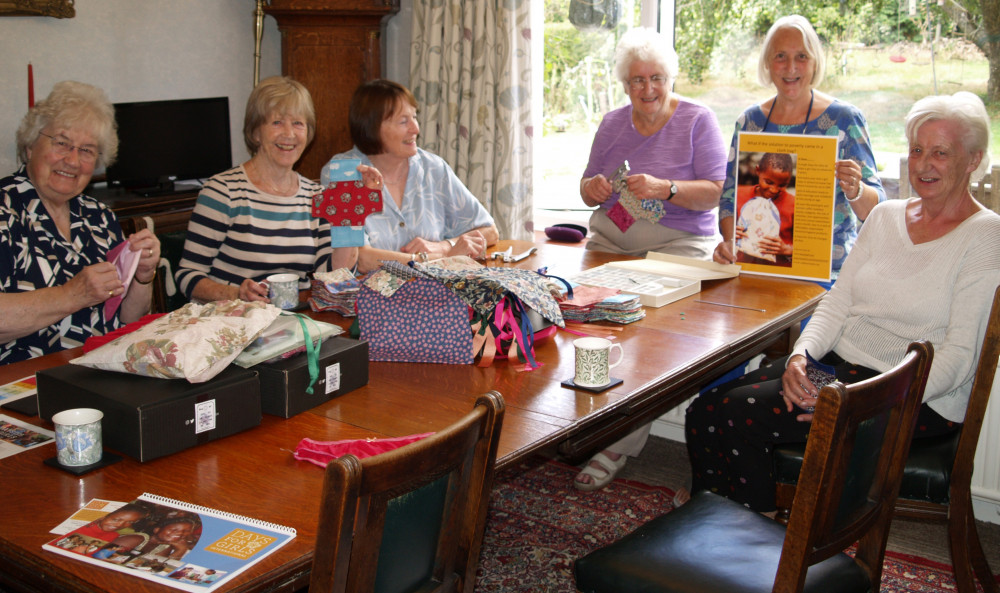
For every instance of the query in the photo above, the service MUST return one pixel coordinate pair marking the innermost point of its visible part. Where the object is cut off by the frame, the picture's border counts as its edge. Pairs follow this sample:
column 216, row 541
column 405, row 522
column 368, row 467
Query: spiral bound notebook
column 170, row 542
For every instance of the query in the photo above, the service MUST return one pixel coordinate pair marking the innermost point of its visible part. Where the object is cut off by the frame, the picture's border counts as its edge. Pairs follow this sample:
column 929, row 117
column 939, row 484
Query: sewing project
column 345, row 202
column 629, row 208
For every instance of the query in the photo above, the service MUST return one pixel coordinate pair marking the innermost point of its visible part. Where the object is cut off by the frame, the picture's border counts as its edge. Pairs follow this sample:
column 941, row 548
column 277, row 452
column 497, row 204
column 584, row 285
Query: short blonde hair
column 72, row 104
column 814, row 47
column 277, row 94
column 963, row 108
column 645, row 45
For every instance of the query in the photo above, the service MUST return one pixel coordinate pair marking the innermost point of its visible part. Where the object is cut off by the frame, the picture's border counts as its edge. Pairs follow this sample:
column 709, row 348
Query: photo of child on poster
column 765, row 206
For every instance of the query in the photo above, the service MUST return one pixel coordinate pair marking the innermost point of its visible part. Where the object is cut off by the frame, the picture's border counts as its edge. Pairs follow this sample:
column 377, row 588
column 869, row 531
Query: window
column 579, row 87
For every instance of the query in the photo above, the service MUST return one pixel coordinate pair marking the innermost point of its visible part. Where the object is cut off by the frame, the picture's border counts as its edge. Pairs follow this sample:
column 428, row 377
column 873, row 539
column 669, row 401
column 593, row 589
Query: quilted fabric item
column 194, row 342
column 422, row 321
column 347, row 203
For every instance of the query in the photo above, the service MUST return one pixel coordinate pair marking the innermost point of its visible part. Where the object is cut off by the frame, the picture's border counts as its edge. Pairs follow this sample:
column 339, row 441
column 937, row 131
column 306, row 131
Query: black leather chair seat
column 669, row 554
column 927, row 475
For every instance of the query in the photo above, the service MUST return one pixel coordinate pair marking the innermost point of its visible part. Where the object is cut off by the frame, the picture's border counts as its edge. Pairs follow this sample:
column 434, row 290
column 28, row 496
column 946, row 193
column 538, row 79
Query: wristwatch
column 673, row 190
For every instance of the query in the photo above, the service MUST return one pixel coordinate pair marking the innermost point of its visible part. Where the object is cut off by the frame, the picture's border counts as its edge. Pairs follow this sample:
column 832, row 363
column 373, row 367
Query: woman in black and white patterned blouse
column 54, row 241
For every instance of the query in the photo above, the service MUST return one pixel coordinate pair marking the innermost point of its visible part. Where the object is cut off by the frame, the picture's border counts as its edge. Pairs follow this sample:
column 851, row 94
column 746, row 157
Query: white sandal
column 602, row 476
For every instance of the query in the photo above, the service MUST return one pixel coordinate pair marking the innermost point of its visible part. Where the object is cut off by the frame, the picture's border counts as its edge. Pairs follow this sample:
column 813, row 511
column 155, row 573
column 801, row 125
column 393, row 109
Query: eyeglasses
column 639, row 83
column 63, row 147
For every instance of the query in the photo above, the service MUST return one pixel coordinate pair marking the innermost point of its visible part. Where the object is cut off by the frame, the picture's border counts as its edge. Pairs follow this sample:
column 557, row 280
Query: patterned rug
column 539, row 524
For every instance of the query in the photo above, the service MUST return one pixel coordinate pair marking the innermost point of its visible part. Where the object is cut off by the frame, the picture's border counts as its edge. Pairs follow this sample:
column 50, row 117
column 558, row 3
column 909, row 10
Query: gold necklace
column 273, row 188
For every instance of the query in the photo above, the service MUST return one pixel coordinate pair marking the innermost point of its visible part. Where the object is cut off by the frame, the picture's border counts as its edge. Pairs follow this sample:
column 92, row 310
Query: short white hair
column 813, row 46
column 72, row 104
column 963, row 108
column 645, row 45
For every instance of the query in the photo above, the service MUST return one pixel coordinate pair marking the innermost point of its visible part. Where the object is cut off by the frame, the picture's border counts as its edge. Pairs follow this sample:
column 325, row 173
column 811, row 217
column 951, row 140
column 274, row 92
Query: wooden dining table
column 668, row 355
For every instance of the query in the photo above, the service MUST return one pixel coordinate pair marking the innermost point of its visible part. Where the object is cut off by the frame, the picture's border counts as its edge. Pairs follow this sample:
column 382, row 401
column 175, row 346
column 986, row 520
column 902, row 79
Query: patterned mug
column 78, row 436
column 593, row 367
column 283, row 290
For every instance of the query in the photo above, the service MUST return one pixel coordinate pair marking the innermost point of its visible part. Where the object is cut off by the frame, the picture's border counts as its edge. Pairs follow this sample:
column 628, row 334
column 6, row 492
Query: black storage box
column 148, row 418
column 343, row 367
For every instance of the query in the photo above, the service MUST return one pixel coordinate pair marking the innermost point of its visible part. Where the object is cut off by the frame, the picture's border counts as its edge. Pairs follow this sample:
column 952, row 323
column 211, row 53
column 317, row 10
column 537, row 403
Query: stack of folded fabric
column 592, row 303
column 335, row 291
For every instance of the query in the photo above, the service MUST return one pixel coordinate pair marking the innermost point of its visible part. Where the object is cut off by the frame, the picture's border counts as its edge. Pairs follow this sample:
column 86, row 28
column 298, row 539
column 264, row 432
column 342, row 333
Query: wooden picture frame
column 60, row 9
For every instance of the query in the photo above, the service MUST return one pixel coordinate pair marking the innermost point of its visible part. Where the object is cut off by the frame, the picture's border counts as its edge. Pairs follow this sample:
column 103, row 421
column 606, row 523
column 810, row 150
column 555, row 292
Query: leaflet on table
column 783, row 220
column 173, row 543
column 17, row 436
column 658, row 279
column 18, row 389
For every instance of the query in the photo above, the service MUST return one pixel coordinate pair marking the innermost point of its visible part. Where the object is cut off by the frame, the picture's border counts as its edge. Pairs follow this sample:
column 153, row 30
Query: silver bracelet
column 861, row 190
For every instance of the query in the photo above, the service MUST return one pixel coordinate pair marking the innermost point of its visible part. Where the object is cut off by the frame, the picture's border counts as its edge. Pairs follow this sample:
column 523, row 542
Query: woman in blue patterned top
column 54, row 241
column 793, row 61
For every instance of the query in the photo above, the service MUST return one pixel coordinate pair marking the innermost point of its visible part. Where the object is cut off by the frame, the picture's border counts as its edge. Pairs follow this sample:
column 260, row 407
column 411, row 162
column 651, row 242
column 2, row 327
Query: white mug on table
column 593, row 361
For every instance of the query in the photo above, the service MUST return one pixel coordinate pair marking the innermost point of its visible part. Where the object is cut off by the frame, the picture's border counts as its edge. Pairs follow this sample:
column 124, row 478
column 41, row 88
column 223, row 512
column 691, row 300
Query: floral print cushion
column 194, row 342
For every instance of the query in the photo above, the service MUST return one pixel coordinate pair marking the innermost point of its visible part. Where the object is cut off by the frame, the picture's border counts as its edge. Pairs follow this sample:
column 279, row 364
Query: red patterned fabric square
column 347, row 203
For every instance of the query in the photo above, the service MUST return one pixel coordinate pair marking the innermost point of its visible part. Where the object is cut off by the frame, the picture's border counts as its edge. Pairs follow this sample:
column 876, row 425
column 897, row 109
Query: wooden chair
column 937, row 478
column 413, row 518
column 853, row 463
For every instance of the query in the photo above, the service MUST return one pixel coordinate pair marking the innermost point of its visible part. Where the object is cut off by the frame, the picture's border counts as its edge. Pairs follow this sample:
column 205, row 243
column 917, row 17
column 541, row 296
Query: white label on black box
column 204, row 416
column 332, row 378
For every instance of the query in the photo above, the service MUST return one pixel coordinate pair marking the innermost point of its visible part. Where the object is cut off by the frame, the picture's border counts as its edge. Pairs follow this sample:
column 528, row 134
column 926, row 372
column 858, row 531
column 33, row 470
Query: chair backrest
column 853, row 464
column 413, row 517
column 982, row 385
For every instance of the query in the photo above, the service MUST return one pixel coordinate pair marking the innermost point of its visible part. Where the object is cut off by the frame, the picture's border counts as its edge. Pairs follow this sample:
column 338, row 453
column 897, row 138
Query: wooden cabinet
column 330, row 46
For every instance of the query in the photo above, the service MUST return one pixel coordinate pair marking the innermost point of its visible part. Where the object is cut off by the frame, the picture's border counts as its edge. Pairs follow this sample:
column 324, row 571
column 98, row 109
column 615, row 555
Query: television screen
column 160, row 142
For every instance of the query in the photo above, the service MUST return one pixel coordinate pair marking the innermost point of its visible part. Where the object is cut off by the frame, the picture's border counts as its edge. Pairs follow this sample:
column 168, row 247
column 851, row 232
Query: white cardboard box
column 658, row 279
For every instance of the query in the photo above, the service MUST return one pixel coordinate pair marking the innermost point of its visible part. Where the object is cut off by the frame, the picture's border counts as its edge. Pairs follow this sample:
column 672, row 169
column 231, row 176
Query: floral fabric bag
column 194, row 342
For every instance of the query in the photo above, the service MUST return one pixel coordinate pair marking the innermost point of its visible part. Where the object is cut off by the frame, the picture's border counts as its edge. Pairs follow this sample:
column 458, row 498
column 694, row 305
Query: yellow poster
column 785, row 188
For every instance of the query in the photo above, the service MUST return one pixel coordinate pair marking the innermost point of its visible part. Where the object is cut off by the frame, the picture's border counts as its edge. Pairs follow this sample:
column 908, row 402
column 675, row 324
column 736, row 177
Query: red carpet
column 539, row 524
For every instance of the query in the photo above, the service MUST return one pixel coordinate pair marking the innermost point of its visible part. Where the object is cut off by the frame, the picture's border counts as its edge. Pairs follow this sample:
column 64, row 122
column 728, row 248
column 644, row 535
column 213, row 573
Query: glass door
column 579, row 87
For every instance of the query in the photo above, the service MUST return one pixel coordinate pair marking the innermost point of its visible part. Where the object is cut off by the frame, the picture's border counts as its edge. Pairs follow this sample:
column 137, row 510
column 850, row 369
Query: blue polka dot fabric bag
column 421, row 321
column 427, row 313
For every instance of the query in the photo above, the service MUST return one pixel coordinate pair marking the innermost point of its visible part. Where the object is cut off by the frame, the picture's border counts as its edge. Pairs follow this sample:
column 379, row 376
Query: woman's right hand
column 251, row 290
column 95, row 284
column 797, row 389
column 723, row 253
column 595, row 190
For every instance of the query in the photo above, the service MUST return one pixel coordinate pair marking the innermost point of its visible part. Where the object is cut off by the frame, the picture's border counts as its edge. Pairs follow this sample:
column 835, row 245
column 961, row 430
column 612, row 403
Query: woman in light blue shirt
column 428, row 212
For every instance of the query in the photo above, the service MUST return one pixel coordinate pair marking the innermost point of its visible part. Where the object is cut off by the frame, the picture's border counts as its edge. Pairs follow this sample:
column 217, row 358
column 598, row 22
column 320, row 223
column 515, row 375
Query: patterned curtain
column 470, row 71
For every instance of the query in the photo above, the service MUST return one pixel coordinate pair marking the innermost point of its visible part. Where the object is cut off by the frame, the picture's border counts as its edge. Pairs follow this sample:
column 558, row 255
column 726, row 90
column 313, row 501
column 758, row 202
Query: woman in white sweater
column 923, row 268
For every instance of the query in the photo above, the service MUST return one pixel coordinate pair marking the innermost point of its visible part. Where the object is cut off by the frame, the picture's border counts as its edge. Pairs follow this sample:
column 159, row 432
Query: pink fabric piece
column 125, row 261
column 620, row 216
column 323, row 452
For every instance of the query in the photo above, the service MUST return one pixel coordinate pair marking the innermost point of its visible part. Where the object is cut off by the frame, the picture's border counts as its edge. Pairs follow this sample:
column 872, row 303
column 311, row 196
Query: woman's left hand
column 647, row 187
column 371, row 176
column 849, row 176
column 148, row 246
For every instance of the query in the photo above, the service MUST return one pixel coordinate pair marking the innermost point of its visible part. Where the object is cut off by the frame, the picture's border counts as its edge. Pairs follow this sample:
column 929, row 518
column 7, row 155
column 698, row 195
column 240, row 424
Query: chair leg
column 968, row 558
column 978, row 558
